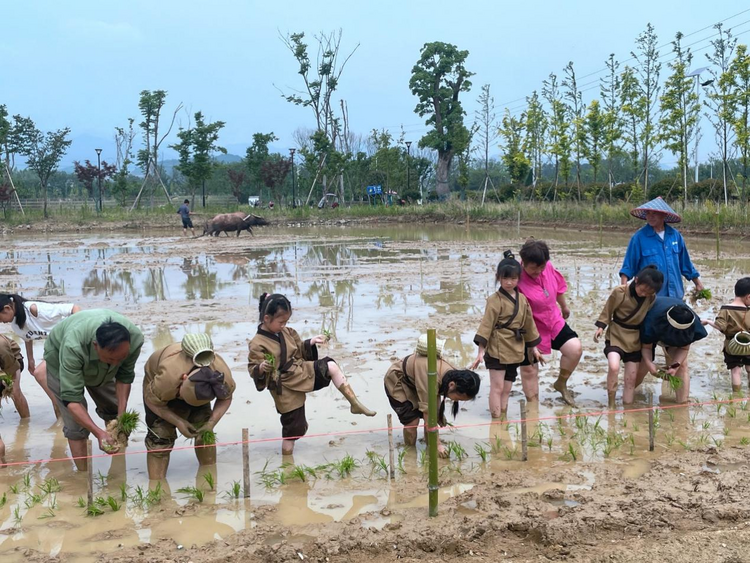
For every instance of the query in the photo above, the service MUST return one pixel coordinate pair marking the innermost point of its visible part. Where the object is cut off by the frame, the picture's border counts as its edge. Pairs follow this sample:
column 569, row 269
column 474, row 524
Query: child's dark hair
column 111, row 334
column 15, row 301
column 535, row 252
column 742, row 287
column 186, row 201
column 270, row 304
column 508, row 267
column 467, row 383
column 650, row 276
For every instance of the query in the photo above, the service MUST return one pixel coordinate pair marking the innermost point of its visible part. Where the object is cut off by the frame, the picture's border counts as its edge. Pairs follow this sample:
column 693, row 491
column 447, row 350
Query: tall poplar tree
column 610, row 88
column 740, row 73
column 576, row 110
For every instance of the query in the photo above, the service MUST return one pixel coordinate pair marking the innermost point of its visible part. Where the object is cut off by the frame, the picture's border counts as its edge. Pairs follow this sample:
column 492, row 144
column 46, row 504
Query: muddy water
column 376, row 289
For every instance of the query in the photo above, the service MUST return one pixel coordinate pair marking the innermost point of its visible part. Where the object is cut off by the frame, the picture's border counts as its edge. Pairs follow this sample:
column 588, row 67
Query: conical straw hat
column 660, row 206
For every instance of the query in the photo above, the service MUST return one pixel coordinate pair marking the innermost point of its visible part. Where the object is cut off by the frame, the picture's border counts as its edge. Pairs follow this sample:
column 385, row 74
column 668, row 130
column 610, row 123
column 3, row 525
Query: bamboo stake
column 432, row 435
column 90, row 473
column 390, row 447
column 524, row 441
column 245, row 464
column 651, row 430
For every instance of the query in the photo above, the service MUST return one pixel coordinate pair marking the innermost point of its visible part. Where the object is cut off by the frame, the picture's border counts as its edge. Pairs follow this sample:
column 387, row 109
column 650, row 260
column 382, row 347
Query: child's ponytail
column 508, row 267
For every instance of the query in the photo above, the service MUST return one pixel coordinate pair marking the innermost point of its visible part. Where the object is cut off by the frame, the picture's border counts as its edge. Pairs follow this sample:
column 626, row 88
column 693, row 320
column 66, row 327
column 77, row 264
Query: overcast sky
column 82, row 64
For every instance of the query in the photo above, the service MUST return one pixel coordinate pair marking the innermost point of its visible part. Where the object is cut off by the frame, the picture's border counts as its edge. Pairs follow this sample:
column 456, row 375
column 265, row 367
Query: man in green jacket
column 97, row 350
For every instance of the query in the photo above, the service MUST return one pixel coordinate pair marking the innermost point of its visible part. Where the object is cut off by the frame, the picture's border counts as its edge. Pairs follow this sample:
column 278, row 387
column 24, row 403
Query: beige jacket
column 507, row 327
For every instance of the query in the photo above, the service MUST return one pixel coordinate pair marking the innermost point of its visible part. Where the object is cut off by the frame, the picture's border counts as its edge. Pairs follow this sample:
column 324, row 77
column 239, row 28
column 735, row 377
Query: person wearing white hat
column 179, row 384
column 662, row 245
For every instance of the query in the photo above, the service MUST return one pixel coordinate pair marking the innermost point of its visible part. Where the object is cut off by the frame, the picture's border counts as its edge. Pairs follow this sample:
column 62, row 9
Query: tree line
column 554, row 146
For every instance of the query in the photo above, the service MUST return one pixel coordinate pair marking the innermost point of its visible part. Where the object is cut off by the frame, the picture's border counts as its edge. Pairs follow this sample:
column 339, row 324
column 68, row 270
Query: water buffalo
column 237, row 221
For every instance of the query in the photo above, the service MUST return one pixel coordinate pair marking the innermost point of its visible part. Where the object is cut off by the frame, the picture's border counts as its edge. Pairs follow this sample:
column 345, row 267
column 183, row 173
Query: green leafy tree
column 594, row 135
column 15, row 137
column 151, row 105
column 740, row 73
column 437, row 80
column 44, row 153
column 256, row 155
column 721, row 100
column 576, row 111
column 559, row 126
column 486, row 128
column 198, row 144
column 273, row 172
column 679, row 110
column 610, row 88
column 633, row 110
column 648, row 69
column 514, row 150
column 536, row 134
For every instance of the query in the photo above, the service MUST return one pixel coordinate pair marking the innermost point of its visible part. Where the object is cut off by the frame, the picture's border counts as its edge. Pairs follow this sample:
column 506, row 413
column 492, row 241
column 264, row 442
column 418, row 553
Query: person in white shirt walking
column 33, row 320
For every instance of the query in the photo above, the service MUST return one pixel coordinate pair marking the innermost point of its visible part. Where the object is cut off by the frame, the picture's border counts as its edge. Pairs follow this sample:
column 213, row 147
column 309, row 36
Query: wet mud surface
column 590, row 490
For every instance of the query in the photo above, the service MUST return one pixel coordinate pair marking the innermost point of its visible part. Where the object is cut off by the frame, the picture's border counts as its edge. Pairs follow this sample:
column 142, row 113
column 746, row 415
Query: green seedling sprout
column 209, row 479
column 81, row 502
column 702, row 294
column 124, row 492
column 3, row 500
column 27, row 481
column 328, row 334
column 17, row 515
column 48, row 514
column 94, row 511
column 401, row 456
column 744, row 441
column 235, row 490
column 192, row 492
column 127, row 422
column 207, row 437
column 481, row 451
column 113, row 504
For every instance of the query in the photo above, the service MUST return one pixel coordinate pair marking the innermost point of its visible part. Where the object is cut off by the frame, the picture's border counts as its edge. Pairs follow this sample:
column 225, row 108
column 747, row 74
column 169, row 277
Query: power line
column 632, row 58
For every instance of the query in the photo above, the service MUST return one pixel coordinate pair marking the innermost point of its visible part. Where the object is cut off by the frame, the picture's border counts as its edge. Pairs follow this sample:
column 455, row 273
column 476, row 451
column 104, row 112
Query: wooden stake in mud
column 245, row 464
column 718, row 238
column 651, row 430
column 524, row 440
column 518, row 224
column 432, row 435
column 390, row 447
column 90, row 473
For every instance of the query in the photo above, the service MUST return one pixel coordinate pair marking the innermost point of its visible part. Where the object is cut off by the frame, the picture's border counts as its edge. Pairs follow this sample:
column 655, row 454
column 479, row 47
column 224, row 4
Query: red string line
column 383, row 429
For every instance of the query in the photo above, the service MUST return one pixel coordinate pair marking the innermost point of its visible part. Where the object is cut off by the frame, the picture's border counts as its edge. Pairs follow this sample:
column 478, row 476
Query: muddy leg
column 530, row 382
column 683, row 393
column 631, row 374
column 498, row 394
column 613, row 374
column 2, row 451
column 340, row 382
column 736, row 380
column 19, row 400
column 78, row 449
column 287, row 447
column 206, row 456
column 40, row 374
column 157, row 465
column 410, row 433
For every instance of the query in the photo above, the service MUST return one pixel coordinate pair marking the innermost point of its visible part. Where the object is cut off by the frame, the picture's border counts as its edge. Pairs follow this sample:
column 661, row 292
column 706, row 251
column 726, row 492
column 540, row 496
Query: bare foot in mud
column 561, row 387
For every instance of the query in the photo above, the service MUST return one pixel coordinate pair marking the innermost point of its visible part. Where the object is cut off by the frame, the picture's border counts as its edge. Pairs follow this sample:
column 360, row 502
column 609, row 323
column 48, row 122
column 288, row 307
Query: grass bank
column 697, row 218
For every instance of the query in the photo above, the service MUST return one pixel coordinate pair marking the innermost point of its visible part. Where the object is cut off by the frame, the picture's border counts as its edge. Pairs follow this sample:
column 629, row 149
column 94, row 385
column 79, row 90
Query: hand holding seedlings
column 320, row 339
column 187, row 429
column 268, row 365
column 328, row 335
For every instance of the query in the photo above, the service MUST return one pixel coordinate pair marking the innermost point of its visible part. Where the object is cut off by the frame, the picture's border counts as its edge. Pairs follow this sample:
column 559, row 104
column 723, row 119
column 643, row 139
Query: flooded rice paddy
column 376, row 290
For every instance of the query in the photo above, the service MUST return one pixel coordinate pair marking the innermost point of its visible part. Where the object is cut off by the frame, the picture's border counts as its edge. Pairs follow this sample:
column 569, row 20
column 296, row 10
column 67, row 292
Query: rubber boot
column 357, row 406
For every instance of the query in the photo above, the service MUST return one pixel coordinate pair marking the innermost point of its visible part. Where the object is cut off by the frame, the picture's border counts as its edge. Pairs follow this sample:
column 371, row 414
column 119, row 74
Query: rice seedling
column 3, row 500
column 743, row 405
column 49, row 513
column 209, row 479
column 726, row 431
column 100, row 501
column 657, row 418
column 509, row 454
column 706, row 425
column 549, row 443
column 732, row 411
column 328, row 334
column 128, row 422
column 207, row 437
column 572, row 452
column 748, row 417
column 693, row 416
column 497, row 446
column 49, row 486
column 17, row 515
column 703, row 439
column 298, row 472
column 271, row 361
column 685, row 445
column 717, row 443
column 702, row 294
column 744, row 441
column 670, row 415
column 670, row 438
column 138, row 497
column 377, row 461
column 94, row 511
column 401, row 456
column 636, row 427
column 718, row 408
column 481, row 451
column 26, row 481
column 81, row 502
column 560, row 429
column 102, row 479
column 14, row 488
column 456, row 449
column 423, row 458
column 193, row 493
column 154, row 496
column 345, row 466
column 124, row 492
column 32, row 500
column 113, row 504
column 234, row 491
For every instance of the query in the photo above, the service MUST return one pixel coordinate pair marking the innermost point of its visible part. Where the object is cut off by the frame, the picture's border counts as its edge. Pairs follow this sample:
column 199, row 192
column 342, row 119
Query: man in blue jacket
column 659, row 244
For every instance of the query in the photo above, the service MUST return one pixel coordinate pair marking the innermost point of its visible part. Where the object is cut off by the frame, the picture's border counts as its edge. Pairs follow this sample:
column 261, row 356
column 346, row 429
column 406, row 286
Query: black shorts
column 735, row 361
column 187, row 223
column 511, row 370
column 404, row 410
column 294, row 423
column 566, row 333
column 625, row 356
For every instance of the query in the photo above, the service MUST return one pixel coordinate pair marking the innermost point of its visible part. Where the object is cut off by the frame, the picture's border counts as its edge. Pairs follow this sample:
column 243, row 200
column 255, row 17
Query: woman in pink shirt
column 544, row 288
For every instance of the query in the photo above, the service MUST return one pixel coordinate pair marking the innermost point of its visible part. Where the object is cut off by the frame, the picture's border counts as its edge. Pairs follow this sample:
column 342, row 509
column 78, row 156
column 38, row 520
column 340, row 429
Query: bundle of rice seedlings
column 6, row 385
column 328, row 334
column 674, row 382
column 121, row 428
column 702, row 294
column 207, row 437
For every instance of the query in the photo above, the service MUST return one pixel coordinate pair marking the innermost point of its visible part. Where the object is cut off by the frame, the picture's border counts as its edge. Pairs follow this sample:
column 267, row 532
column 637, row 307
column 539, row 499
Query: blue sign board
column 374, row 190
